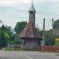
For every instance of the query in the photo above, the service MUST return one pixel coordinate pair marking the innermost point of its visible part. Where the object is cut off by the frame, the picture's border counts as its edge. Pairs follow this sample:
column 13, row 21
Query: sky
column 13, row 11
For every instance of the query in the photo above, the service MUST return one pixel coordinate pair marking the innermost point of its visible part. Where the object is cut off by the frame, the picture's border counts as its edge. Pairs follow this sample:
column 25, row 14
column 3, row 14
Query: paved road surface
column 26, row 55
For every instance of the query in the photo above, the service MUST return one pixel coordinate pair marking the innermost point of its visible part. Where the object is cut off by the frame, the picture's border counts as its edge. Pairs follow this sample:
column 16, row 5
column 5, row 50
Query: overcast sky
column 12, row 11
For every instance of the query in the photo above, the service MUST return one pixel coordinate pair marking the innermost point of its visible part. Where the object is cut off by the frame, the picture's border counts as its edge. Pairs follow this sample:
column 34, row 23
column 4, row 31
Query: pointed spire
column 32, row 2
column 32, row 7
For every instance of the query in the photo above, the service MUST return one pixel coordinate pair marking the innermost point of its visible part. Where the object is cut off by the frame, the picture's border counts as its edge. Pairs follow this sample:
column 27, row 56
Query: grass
column 10, row 49
column 57, row 54
column 7, row 49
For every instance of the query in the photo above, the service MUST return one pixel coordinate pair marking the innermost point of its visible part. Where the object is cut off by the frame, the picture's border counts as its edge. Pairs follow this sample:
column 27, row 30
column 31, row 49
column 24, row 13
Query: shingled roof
column 30, row 31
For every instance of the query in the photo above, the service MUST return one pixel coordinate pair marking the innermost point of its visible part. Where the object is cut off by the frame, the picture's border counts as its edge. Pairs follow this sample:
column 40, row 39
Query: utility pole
column 43, row 42
column 52, row 26
column 52, row 22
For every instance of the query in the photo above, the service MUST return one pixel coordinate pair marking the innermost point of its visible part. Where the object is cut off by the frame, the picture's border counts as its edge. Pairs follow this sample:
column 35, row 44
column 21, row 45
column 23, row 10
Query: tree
column 56, row 31
column 5, row 33
column 56, row 42
column 20, row 26
column 17, row 41
column 56, row 24
column 50, row 42
column 2, row 37
column 49, row 37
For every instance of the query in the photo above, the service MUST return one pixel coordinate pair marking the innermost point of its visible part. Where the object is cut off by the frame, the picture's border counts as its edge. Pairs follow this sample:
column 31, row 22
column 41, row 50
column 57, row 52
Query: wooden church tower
column 30, row 36
column 32, row 14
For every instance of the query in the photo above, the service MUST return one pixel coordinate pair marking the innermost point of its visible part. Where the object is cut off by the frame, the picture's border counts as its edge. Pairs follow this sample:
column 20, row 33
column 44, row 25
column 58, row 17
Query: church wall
column 30, row 44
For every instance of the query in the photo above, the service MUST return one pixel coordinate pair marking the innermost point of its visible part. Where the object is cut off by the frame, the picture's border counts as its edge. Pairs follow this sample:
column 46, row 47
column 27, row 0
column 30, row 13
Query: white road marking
column 26, row 56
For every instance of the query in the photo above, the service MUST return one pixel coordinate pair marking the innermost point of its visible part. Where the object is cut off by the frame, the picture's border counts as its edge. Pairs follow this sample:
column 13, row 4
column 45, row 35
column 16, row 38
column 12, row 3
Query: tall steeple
column 32, row 7
column 30, row 33
column 32, row 13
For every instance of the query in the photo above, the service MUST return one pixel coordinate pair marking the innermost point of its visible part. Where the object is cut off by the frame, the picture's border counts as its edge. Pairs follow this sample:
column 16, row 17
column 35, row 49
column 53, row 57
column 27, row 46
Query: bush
column 7, row 49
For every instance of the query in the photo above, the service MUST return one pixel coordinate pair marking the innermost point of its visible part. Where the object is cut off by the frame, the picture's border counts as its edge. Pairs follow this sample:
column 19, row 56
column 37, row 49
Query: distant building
column 30, row 36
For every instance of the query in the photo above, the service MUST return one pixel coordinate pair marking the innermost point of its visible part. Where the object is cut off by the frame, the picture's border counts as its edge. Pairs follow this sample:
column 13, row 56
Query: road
column 26, row 55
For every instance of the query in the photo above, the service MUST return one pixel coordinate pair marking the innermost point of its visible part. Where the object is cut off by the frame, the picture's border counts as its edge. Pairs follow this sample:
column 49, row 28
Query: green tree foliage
column 48, row 34
column 49, row 37
column 56, row 24
column 5, row 34
column 20, row 26
column 50, row 42
column 17, row 41
column 9, row 36
column 57, row 43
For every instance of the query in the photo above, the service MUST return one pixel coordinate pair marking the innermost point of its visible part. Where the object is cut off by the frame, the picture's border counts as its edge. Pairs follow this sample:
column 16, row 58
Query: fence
column 50, row 48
